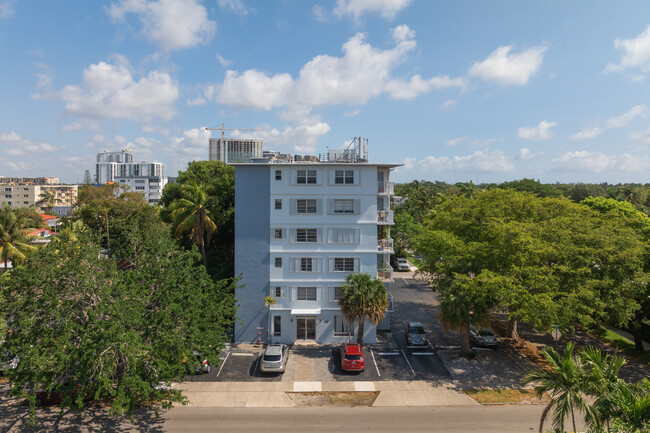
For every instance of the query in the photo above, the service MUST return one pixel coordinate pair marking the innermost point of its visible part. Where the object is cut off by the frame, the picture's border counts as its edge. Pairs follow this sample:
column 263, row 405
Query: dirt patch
column 507, row 396
column 343, row 399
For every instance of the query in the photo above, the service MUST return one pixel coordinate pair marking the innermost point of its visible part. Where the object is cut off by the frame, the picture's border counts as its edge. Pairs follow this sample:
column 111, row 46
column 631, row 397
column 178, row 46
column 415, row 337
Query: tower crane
column 223, row 129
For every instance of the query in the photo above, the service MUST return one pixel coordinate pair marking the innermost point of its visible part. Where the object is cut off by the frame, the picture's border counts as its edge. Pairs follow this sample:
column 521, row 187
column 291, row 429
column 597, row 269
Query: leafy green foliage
column 14, row 224
column 361, row 298
column 86, row 329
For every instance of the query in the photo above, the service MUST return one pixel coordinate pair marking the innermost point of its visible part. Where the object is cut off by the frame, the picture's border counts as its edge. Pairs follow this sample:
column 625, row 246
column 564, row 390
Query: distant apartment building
column 235, row 150
column 301, row 226
column 144, row 177
column 34, row 180
column 19, row 195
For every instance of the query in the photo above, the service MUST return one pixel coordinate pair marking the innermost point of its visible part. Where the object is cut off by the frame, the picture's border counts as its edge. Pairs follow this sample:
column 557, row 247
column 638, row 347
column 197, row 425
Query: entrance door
column 306, row 328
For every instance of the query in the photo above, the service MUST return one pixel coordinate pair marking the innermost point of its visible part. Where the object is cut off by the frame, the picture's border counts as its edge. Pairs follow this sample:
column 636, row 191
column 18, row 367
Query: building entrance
column 305, row 328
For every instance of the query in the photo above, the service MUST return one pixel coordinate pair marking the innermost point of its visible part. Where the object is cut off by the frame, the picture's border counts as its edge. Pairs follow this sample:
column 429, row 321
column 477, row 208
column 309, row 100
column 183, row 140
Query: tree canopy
column 363, row 298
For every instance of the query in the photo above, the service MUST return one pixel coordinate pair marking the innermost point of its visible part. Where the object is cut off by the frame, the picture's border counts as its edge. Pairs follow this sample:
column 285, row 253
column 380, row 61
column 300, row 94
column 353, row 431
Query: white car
column 482, row 337
column 401, row 264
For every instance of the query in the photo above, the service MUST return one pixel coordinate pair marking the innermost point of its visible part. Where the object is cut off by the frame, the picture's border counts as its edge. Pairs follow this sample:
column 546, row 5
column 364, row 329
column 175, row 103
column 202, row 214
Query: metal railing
column 385, row 217
column 385, row 245
column 385, row 274
column 386, row 187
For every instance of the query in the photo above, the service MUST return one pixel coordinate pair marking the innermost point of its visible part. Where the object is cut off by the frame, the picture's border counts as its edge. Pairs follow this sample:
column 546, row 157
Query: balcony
column 386, row 188
column 385, row 217
column 385, row 245
column 385, row 274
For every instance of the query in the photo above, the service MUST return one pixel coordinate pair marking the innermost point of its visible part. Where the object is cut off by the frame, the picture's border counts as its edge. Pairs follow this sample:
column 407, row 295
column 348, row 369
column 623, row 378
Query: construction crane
column 223, row 129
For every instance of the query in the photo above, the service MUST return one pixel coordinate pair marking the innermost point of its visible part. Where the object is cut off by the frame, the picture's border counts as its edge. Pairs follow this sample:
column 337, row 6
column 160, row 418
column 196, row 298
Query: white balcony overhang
column 305, row 311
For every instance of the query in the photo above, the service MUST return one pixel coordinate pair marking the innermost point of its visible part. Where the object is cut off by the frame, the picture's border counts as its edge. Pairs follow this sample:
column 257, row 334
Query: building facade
column 145, row 177
column 34, row 180
column 235, row 150
column 28, row 194
column 300, row 229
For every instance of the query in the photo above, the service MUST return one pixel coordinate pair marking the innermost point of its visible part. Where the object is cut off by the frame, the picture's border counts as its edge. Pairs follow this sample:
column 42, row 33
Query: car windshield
column 353, row 357
column 272, row 358
column 485, row 333
column 417, row 330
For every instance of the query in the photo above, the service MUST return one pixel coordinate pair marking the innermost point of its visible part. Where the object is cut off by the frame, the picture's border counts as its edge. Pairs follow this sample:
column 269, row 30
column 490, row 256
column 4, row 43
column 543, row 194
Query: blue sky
column 478, row 90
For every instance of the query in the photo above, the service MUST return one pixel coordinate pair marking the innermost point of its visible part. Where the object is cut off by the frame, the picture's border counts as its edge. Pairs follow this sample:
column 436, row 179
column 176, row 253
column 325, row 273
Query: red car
column 352, row 357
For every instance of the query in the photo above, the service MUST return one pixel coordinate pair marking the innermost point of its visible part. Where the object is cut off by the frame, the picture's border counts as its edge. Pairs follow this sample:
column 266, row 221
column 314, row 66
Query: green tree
column 14, row 244
column 87, row 329
column 563, row 382
column 532, row 186
column 361, row 298
column 48, row 200
column 196, row 214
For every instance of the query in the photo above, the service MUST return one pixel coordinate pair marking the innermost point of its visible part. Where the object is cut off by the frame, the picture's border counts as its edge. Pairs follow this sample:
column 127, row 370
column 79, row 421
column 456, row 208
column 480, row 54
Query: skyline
column 454, row 91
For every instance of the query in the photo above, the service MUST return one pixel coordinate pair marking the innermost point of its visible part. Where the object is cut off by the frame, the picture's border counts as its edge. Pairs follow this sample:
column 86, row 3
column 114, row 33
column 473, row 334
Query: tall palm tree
column 13, row 242
column 456, row 315
column 268, row 301
column 197, row 214
column 48, row 200
column 362, row 297
column 563, row 381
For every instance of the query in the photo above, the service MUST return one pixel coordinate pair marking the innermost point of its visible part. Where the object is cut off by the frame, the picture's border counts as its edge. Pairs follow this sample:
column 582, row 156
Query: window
column 344, row 264
column 25, row 202
column 277, row 326
column 344, row 236
column 343, row 206
column 341, row 326
column 139, row 188
column 306, row 206
column 306, row 235
column 8, row 189
column 25, row 195
column 278, row 204
column 278, row 262
column 277, row 291
column 306, row 176
column 344, row 177
column 278, row 234
column 306, row 264
column 337, row 293
column 306, row 294
column 7, row 195
column 278, row 174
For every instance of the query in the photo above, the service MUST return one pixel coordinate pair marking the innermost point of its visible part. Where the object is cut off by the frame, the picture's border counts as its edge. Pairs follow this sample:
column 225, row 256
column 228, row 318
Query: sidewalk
column 275, row 394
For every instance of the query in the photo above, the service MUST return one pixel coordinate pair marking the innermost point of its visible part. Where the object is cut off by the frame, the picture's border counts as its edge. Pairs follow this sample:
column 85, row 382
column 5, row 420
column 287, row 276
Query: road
column 497, row 419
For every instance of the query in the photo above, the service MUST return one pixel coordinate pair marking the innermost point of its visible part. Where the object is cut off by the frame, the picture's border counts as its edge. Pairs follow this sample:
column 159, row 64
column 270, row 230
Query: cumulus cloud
column 509, row 69
column 636, row 53
column 7, row 8
column 526, row 153
column 352, row 113
column 320, row 13
column 234, row 6
column 643, row 136
column 356, row 8
column 172, row 24
column 224, row 62
column 540, row 132
column 613, row 122
column 15, row 145
column 111, row 92
column 479, row 161
column 597, row 162
column 449, row 103
column 455, row 141
column 398, row 89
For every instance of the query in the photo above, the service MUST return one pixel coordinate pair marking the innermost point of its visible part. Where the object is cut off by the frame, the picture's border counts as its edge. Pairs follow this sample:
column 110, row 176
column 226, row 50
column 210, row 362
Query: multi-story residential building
column 145, row 177
column 28, row 194
column 34, row 180
column 235, row 150
column 300, row 229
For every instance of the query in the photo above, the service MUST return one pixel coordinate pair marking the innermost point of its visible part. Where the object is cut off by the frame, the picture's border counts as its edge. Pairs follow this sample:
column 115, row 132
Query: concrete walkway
column 274, row 394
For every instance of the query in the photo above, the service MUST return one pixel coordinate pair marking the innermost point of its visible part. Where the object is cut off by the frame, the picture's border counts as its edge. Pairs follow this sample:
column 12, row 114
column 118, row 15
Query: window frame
column 306, row 177
column 278, row 174
column 346, row 329
column 277, row 325
column 306, row 264
column 307, row 209
column 309, row 236
column 278, row 204
column 346, row 177
column 278, row 263
column 308, row 290
column 343, row 264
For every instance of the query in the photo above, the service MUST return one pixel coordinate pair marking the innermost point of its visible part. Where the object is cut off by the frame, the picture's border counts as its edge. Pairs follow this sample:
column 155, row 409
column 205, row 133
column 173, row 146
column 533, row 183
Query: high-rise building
column 301, row 226
column 235, row 150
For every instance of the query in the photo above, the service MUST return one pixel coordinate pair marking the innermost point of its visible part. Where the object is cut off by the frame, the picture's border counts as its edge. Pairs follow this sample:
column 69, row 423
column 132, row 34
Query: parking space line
column 407, row 361
column 223, row 363
column 243, row 354
column 375, row 362
column 422, row 353
column 387, row 353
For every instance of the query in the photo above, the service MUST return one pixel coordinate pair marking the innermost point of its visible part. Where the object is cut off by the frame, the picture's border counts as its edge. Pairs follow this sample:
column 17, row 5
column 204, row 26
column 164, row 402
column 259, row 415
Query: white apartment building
column 234, row 150
column 145, row 177
column 300, row 229
column 28, row 194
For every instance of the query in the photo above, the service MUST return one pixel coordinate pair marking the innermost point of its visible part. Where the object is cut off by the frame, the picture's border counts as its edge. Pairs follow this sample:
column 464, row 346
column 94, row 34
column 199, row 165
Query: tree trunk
column 638, row 338
column 205, row 261
column 361, row 330
column 465, row 346
column 512, row 329
column 573, row 420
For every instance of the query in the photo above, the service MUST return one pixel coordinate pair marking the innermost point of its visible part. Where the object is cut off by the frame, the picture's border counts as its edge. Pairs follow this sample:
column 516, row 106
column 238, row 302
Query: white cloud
column 636, row 53
column 320, row 13
column 587, row 133
column 506, row 68
column 478, row 161
column 352, row 113
column 7, row 8
column 224, row 62
column 526, row 153
column 613, row 122
column 597, row 162
column 16, row 145
column 540, row 132
column 455, row 141
column 449, row 103
column 235, row 6
column 111, row 92
column 643, row 136
column 408, row 90
column 356, row 8
column 172, row 24
column 74, row 126
column 196, row 101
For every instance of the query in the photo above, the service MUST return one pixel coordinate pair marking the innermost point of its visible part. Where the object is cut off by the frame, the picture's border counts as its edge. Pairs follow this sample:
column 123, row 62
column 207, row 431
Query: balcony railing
column 385, row 217
column 385, row 274
column 386, row 188
column 385, row 245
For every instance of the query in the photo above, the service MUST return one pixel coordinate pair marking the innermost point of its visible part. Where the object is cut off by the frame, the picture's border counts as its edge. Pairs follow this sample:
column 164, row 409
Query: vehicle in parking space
column 204, row 367
column 482, row 337
column 400, row 264
column 352, row 357
column 415, row 335
column 274, row 359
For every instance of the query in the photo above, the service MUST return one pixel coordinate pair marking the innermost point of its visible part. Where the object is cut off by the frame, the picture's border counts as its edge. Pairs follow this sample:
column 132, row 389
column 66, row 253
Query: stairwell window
column 306, row 177
column 278, row 204
column 278, row 262
column 277, row 326
column 306, row 264
column 278, row 174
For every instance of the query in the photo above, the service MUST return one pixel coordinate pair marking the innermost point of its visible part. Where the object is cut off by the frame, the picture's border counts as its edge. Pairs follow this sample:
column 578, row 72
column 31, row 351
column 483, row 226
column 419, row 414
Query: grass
column 622, row 344
column 505, row 396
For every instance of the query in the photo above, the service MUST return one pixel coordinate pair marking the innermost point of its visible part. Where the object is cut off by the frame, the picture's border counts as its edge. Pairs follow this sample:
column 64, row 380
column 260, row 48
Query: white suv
column 274, row 359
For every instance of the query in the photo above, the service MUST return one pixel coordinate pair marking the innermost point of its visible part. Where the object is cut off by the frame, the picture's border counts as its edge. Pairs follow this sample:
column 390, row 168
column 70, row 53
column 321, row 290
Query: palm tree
column 48, row 200
column 363, row 297
column 456, row 315
column 268, row 301
column 13, row 242
column 563, row 381
column 197, row 214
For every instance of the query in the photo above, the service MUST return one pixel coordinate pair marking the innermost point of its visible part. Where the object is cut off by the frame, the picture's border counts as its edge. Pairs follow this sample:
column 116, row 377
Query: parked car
column 352, row 357
column 8, row 361
column 204, row 366
column 415, row 335
column 482, row 337
column 274, row 359
column 400, row 264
